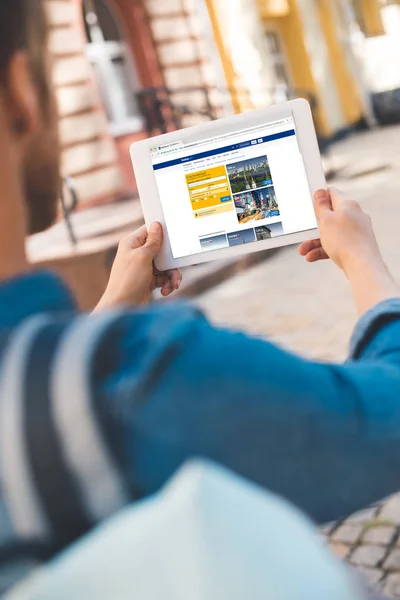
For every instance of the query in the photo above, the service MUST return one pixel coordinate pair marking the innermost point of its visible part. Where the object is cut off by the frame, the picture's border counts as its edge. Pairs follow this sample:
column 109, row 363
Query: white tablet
column 233, row 186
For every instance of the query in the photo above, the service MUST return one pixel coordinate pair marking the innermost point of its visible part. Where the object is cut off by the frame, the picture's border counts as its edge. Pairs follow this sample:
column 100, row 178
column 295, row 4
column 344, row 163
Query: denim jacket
column 99, row 411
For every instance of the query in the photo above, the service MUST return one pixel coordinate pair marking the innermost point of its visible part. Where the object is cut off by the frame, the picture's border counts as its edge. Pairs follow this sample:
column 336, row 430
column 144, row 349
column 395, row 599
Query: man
column 98, row 411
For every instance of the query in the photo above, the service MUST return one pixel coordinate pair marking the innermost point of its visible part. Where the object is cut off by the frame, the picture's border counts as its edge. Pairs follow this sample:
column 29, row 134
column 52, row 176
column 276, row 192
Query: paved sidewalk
column 309, row 309
column 370, row 540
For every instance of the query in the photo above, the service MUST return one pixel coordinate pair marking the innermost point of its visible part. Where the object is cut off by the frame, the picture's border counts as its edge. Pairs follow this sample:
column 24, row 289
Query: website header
column 213, row 152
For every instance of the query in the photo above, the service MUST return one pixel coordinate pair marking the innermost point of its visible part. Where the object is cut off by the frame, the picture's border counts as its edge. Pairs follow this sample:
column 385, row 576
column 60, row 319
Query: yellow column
column 369, row 13
column 346, row 86
column 293, row 35
column 226, row 60
column 273, row 8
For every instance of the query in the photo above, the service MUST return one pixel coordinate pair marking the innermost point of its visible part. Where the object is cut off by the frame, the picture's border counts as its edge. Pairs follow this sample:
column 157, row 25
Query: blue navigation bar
column 186, row 159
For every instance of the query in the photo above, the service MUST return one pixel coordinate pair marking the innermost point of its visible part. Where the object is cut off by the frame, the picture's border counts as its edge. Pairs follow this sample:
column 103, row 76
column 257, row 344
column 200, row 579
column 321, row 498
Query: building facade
column 127, row 69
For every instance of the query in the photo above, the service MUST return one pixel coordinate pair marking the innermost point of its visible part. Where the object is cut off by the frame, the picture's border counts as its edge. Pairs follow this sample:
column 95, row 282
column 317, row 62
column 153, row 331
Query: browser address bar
column 237, row 133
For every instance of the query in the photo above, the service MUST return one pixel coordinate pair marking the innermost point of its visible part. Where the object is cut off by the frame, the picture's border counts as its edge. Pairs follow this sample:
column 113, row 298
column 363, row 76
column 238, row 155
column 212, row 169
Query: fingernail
column 321, row 195
column 155, row 228
column 178, row 284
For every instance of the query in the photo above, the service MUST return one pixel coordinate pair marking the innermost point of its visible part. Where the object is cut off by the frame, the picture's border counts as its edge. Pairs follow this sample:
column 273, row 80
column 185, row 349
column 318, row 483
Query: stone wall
column 89, row 153
column 183, row 37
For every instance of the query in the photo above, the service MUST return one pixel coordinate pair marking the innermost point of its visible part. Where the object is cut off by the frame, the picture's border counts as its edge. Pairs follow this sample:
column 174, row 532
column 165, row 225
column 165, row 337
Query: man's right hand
column 348, row 239
column 346, row 232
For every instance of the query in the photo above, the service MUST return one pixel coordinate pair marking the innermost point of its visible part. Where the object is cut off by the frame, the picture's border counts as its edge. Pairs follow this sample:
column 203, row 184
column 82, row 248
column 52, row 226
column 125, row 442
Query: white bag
column 208, row 535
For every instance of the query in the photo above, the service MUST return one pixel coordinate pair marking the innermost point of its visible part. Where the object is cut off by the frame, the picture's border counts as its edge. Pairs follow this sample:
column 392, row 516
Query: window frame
column 101, row 54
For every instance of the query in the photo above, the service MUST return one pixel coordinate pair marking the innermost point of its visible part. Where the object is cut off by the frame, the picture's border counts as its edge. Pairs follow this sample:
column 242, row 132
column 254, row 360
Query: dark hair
column 23, row 26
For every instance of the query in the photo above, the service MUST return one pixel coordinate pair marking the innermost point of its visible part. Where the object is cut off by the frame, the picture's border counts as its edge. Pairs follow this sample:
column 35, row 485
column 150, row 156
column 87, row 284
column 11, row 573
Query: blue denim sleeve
column 327, row 437
column 377, row 333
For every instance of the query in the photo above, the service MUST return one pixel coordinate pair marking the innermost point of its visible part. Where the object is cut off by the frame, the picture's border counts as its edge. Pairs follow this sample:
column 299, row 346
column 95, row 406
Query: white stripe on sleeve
column 23, row 503
column 85, row 452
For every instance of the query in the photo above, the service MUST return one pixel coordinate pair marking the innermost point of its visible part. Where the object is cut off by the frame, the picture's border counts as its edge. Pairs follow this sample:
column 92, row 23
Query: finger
column 309, row 245
column 163, row 283
column 175, row 277
column 337, row 197
column 161, row 279
column 316, row 255
column 322, row 204
column 167, row 288
column 154, row 240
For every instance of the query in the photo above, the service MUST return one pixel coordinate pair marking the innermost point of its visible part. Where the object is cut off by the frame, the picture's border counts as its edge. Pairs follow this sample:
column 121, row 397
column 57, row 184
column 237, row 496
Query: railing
column 69, row 202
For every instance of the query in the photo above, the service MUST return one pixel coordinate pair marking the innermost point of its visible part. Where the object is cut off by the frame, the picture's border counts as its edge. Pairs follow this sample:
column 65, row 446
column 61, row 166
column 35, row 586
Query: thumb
column 337, row 197
column 322, row 203
column 154, row 239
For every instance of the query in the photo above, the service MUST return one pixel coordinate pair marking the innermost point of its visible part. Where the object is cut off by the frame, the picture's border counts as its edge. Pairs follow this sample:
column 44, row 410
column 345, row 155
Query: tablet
column 234, row 186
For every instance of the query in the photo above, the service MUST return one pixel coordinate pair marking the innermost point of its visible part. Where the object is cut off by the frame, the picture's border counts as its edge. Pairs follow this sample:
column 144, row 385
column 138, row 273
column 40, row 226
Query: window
column 278, row 58
column 114, row 71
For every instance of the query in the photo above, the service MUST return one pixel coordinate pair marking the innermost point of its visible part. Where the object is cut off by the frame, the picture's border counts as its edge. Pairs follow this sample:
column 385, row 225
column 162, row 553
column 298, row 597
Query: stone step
column 95, row 228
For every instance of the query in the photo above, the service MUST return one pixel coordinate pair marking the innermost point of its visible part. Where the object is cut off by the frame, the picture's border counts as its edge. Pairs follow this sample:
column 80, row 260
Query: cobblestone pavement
column 308, row 309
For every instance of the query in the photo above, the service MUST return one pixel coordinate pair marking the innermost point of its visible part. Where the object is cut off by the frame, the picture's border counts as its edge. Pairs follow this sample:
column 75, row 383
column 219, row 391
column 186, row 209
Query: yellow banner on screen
column 210, row 188
column 212, row 210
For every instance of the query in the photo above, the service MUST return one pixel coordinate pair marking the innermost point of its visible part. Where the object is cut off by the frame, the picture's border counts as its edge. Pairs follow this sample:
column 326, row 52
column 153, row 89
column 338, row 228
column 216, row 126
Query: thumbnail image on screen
column 214, row 242
column 244, row 236
column 265, row 232
column 249, row 174
column 256, row 205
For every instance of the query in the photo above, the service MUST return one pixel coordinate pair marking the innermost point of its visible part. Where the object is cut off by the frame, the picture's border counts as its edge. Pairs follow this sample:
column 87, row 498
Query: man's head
column 28, row 110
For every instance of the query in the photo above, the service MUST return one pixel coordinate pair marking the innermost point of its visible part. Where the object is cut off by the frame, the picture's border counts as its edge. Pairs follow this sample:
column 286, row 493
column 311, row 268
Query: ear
column 21, row 99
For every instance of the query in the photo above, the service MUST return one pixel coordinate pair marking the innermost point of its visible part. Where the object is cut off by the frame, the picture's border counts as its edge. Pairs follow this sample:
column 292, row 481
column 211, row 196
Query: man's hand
column 133, row 276
column 346, row 231
column 348, row 239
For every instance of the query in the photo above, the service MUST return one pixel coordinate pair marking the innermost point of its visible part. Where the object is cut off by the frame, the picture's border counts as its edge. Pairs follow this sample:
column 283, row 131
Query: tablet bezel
column 148, row 191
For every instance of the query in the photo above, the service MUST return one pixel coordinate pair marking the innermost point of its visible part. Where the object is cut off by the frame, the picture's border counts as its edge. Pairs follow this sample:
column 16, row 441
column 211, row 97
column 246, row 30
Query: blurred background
column 125, row 70
column 129, row 69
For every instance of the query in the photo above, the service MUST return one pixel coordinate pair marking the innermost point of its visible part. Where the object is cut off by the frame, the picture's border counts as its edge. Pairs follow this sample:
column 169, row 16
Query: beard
column 42, row 180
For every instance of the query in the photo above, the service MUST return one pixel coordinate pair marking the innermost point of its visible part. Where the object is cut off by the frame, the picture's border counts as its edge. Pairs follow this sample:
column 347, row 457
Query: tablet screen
column 236, row 188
